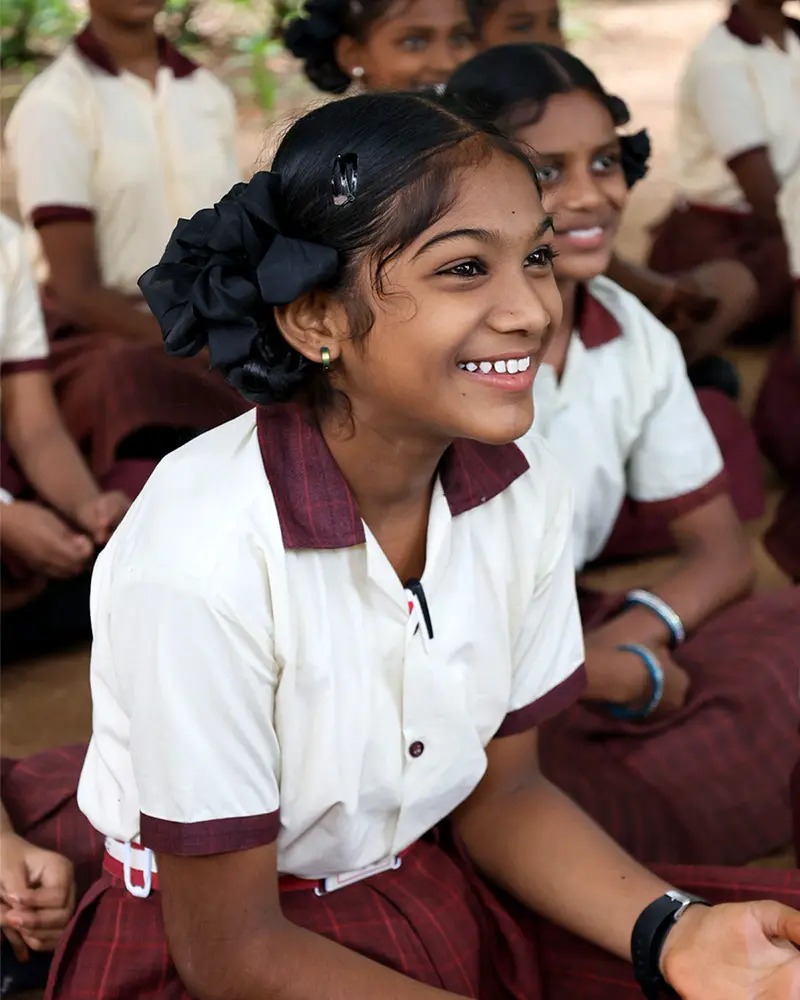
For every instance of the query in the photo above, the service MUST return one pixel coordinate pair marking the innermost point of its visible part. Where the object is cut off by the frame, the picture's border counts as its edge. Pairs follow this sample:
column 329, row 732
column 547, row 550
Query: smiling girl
column 328, row 631
column 669, row 751
column 380, row 44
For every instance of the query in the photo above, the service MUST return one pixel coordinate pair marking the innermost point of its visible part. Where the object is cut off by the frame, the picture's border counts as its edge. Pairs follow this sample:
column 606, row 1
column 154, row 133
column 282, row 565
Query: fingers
column 54, row 897
column 38, row 922
column 18, row 946
column 779, row 921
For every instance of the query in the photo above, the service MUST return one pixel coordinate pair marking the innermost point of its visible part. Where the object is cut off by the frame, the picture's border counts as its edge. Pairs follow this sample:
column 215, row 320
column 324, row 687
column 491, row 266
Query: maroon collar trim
column 595, row 324
column 316, row 509
column 92, row 49
column 741, row 27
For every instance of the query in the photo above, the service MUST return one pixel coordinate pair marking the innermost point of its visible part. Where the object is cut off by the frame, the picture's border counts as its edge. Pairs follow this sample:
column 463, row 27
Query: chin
column 582, row 266
column 505, row 429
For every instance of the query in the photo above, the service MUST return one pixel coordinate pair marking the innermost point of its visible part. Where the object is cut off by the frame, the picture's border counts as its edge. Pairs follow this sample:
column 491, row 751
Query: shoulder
column 719, row 47
column 205, row 518
column 60, row 88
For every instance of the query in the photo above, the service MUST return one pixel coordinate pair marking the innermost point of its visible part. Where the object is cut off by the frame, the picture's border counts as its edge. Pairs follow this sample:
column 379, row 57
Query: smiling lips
column 510, row 366
column 511, row 374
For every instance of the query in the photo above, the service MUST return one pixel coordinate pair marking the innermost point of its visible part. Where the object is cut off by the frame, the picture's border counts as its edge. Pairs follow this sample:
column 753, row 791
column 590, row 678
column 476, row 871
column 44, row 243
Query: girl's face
column 523, row 21
column 577, row 154
column 464, row 318
column 417, row 44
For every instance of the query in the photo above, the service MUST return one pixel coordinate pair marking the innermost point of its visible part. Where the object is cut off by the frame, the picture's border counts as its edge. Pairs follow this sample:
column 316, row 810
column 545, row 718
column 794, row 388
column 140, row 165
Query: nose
column 580, row 191
column 525, row 306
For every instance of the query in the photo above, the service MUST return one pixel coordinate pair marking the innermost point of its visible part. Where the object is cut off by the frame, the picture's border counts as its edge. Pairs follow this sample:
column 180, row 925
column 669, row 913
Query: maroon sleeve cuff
column 556, row 700
column 18, row 367
column 674, row 507
column 216, row 836
column 45, row 214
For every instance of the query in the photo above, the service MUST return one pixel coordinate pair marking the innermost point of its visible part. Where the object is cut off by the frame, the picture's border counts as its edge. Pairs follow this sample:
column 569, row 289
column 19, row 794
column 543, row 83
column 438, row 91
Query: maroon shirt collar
column 316, row 509
column 91, row 48
column 740, row 25
column 595, row 324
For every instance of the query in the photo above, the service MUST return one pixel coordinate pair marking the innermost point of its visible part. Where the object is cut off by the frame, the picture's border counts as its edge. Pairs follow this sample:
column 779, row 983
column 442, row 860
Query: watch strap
column 647, row 940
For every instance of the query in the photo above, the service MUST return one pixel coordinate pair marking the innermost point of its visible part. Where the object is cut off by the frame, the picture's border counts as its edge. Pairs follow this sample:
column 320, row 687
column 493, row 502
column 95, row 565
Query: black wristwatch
column 649, row 934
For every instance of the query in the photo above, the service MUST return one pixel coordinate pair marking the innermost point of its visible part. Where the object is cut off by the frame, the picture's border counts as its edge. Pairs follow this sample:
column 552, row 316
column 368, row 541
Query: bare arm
column 715, row 568
column 528, row 837
column 75, row 277
column 756, row 178
column 41, row 444
column 230, row 941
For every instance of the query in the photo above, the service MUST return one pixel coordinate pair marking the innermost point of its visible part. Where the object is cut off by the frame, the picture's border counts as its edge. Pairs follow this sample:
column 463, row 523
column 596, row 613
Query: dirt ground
column 637, row 49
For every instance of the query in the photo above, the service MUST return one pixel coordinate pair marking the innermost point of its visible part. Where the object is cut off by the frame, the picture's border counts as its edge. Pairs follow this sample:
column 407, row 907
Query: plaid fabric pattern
column 782, row 539
column 433, row 920
column 710, row 783
column 777, row 414
column 108, row 388
column 40, row 796
column 642, row 530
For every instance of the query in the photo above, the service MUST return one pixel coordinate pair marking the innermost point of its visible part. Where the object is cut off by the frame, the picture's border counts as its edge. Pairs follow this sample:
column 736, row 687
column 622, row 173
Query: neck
column 770, row 20
column 129, row 45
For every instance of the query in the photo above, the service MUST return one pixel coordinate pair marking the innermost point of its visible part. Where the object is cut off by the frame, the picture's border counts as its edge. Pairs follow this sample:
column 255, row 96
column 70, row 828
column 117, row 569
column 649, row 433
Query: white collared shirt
column 23, row 340
column 624, row 419
column 88, row 142
column 789, row 212
column 736, row 95
column 256, row 671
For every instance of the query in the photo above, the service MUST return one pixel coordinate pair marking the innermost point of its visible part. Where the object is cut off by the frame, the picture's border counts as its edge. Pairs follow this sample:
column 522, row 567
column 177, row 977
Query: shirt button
column 417, row 748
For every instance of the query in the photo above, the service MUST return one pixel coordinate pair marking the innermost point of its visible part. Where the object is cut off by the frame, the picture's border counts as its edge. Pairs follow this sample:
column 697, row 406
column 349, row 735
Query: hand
column 37, row 895
column 684, row 304
column 102, row 514
column 43, row 541
column 741, row 951
column 676, row 683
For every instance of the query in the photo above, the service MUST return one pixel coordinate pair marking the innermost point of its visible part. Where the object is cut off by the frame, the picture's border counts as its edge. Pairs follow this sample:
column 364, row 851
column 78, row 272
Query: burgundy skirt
column 637, row 534
column 710, row 783
column 434, row 920
column 109, row 389
column 694, row 235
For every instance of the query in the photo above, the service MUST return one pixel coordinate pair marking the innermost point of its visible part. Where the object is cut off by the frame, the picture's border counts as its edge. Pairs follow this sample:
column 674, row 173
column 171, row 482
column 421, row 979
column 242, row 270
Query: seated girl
column 380, row 44
column 55, row 514
column 328, row 631
column 777, row 414
column 702, row 306
column 737, row 143
column 49, row 856
column 668, row 751
column 116, row 140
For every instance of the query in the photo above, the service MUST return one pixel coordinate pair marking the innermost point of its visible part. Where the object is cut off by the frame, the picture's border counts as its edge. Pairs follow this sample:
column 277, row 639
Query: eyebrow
column 481, row 235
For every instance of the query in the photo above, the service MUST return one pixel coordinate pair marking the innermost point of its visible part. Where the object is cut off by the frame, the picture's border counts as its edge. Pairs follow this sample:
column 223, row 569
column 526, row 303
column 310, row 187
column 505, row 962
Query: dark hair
column 352, row 185
column 312, row 36
column 480, row 10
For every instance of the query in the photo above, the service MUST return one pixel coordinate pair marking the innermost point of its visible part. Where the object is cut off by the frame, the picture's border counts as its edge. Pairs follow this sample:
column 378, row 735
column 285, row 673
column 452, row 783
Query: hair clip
column 345, row 179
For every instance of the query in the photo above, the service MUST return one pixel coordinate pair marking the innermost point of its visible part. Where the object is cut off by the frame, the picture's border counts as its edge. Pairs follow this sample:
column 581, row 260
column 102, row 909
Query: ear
column 314, row 321
column 348, row 53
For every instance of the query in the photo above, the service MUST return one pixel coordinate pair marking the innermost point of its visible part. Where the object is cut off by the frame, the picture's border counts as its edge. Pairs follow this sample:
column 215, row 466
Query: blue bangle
column 656, row 679
column 659, row 607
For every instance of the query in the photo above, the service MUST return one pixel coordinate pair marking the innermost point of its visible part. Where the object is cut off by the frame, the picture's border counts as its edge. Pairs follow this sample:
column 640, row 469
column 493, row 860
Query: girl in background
column 111, row 144
column 669, row 750
column 55, row 513
column 380, row 44
column 737, row 143
column 509, row 22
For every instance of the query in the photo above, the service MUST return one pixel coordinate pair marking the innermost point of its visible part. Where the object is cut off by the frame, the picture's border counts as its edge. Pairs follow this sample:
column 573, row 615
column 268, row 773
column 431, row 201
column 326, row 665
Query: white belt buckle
column 334, row 882
column 140, row 891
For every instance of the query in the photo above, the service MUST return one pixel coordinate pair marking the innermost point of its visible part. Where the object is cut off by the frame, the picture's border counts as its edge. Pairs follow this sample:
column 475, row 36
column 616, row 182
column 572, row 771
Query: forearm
column 648, row 287
column 291, row 963
column 106, row 311
column 616, row 677
column 55, row 468
column 540, row 847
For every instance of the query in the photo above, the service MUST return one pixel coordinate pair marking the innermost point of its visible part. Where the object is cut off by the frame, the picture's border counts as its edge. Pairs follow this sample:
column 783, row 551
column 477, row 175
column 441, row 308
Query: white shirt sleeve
column 789, row 211
column 52, row 156
column 728, row 105
column 197, row 683
column 23, row 339
column 548, row 651
column 675, row 453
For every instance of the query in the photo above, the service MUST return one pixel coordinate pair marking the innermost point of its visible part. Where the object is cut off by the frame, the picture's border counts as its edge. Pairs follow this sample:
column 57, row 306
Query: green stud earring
column 326, row 358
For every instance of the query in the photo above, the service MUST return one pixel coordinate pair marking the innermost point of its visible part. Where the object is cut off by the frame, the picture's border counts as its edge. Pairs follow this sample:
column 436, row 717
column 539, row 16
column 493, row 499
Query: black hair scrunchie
column 635, row 155
column 222, row 273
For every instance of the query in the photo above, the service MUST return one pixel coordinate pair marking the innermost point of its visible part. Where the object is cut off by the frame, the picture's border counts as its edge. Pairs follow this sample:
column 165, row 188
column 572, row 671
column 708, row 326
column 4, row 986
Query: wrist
column 682, row 928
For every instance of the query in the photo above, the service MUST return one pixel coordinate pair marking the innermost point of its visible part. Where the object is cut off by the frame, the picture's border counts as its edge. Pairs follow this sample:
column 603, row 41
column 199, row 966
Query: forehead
column 431, row 14
column 571, row 122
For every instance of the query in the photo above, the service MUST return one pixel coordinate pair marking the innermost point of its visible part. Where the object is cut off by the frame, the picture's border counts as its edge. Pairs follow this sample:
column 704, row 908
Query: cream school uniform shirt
column 739, row 92
column 23, row 341
column 624, row 419
column 90, row 142
column 257, row 672
column 789, row 212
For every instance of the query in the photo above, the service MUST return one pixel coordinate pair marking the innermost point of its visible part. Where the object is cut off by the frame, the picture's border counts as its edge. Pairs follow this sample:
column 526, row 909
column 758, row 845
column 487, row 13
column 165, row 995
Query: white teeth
column 471, row 366
column 513, row 366
column 523, row 364
column 485, row 367
column 500, row 366
column 586, row 234
column 510, row 366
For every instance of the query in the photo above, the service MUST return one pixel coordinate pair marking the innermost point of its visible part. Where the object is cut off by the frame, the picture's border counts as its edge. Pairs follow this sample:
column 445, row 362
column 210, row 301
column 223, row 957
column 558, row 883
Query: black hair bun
column 216, row 286
column 312, row 38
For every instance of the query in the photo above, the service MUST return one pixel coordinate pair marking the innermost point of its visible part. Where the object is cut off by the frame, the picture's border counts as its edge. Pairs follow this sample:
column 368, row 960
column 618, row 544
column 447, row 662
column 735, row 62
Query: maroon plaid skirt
column 108, row 389
column 782, row 539
column 638, row 534
column 40, row 796
column 433, row 920
column 708, row 784
column 691, row 236
column 777, row 415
